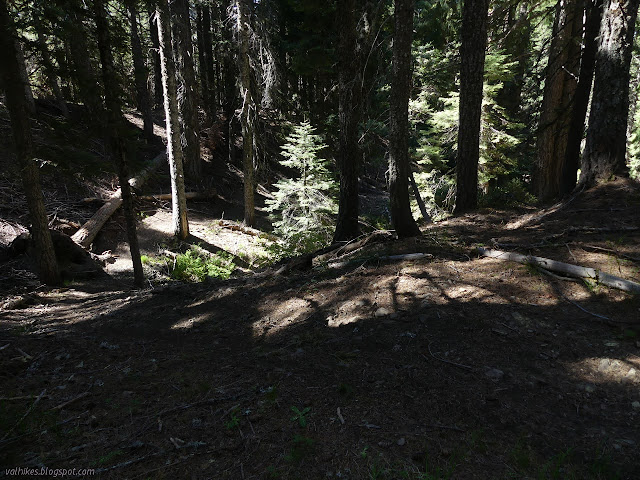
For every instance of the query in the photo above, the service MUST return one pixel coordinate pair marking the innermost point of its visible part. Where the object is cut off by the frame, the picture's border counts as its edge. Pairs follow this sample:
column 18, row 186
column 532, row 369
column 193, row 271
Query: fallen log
column 575, row 271
column 87, row 233
column 188, row 195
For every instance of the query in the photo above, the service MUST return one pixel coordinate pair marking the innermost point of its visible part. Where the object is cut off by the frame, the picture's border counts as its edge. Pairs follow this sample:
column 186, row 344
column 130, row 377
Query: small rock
column 425, row 303
column 382, row 312
column 494, row 374
column 631, row 374
column 401, row 442
column 636, row 405
column 604, row 365
column 384, row 444
column 361, row 303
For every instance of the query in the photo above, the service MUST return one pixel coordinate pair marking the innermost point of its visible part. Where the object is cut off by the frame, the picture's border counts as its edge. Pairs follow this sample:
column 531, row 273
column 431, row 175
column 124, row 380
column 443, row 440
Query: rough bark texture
column 559, row 90
column 347, row 227
column 155, row 55
column 187, row 93
column 605, row 152
column 24, row 78
column 247, row 114
column 140, row 74
column 206, row 67
column 174, row 149
column 17, row 104
column 403, row 222
column 114, row 132
column 472, row 53
column 569, row 175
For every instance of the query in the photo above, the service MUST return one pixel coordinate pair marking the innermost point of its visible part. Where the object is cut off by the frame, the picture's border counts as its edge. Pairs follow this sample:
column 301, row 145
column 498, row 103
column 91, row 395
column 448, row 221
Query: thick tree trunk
column 174, row 149
column 207, row 72
column 247, row 115
column 17, row 104
column 114, row 131
column 202, row 71
column 187, row 93
column 569, row 176
column 403, row 222
column 347, row 227
column 472, row 54
column 140, row 74
column 230, row 73
column 24, row 79
column 605, row 152
column 559, row 90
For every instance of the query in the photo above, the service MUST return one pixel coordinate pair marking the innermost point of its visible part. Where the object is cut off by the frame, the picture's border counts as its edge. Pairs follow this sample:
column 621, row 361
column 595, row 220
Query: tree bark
column 605, row 152
column 140, row 74
column 17, row 104
column 400, row 208
column 472, row 54
column 557, row 104
column 569, row 175
column 187, row 93
column 174, row 149
column 114, row 132
column 247, row 115
column 347, row 227
column 155, row 55
column 50, row 72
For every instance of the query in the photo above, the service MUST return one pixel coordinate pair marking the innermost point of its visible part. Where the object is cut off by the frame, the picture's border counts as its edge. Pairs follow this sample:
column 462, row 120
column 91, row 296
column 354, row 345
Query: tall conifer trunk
column 347, row 227
column 472, row 54
column 247, row 114
column 605, row 151
column 187, row 93
column 115, row 134
column 140, row 73
column 403, row 222
column 174, row 149
column 559, row 91
column 17, row 104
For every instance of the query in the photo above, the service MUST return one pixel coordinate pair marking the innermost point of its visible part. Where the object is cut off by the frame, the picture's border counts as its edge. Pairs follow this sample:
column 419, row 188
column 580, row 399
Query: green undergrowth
column 194, row 265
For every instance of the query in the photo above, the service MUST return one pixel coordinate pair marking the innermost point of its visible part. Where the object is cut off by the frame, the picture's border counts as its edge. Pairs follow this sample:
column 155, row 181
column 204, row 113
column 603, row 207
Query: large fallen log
column 87, row 233
column 575, row 271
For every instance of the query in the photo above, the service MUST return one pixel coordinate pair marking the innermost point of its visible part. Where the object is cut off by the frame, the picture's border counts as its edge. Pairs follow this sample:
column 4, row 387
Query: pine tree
column 303, row 208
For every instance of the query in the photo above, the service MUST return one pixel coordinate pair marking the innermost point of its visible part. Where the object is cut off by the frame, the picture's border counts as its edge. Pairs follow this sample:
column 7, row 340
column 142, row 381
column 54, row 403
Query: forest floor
column 449, row 366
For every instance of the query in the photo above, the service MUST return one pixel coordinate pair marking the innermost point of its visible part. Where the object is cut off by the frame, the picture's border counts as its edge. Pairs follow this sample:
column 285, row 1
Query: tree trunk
column 50, row 72
column 347, row 227
column 140, row 74
column 472, row 54
column 187, row 93
column 403, row 222
column 17, row 104
column 605, row 152
column 114, row 131
column 174, row 149
column 202, row 71
column 155, row 55
column 24, row 79
column 207, row 65
column 559, row 90
column 569, row 175
column 85, row 78
column 247, row 113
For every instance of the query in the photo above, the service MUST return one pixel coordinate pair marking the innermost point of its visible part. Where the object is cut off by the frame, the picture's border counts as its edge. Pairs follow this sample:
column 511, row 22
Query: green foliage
column 195, row 266
column 512, row 194
column 303, row 208
column 300, row 415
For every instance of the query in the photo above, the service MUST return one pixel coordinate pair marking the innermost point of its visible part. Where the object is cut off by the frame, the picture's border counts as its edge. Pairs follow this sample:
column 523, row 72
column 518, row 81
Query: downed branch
column 388, row 258
column 236, row 227
column 575, row 271
column 85, row 234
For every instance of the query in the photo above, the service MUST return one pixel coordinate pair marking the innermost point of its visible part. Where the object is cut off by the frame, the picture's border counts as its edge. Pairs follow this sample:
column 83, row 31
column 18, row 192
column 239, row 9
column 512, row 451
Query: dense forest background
column 504, row 124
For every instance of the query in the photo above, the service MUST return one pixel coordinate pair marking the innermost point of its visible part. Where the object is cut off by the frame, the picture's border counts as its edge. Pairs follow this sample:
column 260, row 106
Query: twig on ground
column 459, row 365
column 68, row 402
column 127, row 463
column 26, row 414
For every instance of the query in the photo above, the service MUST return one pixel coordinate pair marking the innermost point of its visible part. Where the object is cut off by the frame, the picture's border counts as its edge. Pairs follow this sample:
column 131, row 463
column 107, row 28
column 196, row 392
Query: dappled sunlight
column 605, row 370
column 191, row 322
column 286, row 314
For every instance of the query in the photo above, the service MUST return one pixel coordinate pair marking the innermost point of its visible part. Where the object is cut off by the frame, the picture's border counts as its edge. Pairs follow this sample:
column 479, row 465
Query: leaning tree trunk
column 174, row 149
column 472, row 53
column 187, row 93
column 559, row 90
column 347, row 227
column 403, row 222
column 140, row 74
column 115, row 133
column 155, row 56
column 17, row 104
column 247, row 114
column 605, row 152
column 569, row 176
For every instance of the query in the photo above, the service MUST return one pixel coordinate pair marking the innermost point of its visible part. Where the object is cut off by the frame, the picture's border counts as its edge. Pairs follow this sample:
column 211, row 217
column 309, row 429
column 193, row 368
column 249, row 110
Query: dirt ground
column 448, row 366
